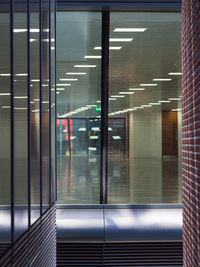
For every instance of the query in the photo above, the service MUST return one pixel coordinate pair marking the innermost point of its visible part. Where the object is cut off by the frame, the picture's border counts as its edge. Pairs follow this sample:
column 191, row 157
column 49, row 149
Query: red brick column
column 191, row 131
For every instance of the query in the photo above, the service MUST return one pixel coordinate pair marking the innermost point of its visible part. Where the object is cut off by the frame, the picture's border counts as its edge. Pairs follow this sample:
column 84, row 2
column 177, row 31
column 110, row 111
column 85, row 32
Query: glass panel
column 5, row 221
column 78, row 106
column 20, row 118
column 35, row 111
column 53, row 134
column 144, row 155
column 45, row 104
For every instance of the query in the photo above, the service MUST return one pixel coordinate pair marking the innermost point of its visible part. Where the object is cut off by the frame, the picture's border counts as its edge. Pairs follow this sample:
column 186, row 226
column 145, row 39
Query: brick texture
column 191, row 131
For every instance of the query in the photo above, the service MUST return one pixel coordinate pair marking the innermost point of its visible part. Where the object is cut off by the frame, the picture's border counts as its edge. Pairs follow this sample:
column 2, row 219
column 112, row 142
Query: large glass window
column 144, row 108
column 78, row 106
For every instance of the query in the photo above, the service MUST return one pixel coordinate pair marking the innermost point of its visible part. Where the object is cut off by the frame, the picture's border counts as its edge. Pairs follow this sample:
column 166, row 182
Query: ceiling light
column 92, row 56
column 63, row 84
column 33, row 40
column 148, row 84
column 174, row 98
column 154, row 104
column 82, row 129
column 176, row 109
column 94, row 137
column 35, row 110
column 139, row 107
column 60, row 89
column 32, row 102
column 57, row 93
column 98, row 101
column 175, row 73
column 5, row 106
column 45, row 102
column 121, row 39
column 162, row 80
column 85, row 66
column 116, row 137
column 19, row 30
column 136, row 89
column 164, row 101
column 117, row 96
column 91, row 105
column 76, row 73
column 129, row 29
column 52, row 48
column 21, row 108
column 110, row 47
column 21, row 74
column 5, row 74
column 35, row 80
column 112, row 98
column 34, row 30
column 126, row 93
column 146, row 106
column 5, row 94
column 36, row 99
column 96, row 129
column 68, row 79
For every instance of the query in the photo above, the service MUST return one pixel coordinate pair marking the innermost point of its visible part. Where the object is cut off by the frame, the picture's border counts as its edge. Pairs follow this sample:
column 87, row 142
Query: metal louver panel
column 120, row 254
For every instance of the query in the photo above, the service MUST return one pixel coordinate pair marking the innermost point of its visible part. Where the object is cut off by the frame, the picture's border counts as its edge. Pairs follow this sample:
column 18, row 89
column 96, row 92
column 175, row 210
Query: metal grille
column 120, row 254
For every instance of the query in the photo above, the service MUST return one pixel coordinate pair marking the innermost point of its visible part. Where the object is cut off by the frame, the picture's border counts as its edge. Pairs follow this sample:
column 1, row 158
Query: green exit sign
column 98, row 108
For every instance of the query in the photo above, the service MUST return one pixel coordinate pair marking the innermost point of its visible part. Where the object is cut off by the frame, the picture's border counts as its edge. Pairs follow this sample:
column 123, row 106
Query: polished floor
column 130, row 181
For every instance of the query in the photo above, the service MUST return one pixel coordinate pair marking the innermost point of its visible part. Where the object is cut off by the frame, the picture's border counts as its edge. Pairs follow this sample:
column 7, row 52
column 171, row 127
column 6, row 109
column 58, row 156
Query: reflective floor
column 144, row 181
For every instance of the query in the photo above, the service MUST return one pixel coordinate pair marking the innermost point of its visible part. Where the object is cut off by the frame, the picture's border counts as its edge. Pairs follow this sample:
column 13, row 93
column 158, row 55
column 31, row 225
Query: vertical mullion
column 104, row 104
column 50, row 152
column 12, row 120
column 55, row 103
column 29, row 122
column 40, row 68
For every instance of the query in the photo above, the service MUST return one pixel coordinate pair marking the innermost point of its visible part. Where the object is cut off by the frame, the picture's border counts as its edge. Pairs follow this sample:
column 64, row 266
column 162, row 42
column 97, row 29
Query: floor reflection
column 133, row 181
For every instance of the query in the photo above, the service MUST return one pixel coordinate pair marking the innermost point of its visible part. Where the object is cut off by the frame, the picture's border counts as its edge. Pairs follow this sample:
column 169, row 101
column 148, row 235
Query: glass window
column 20, row 118
column 78, row 106
column 144, row 154
column 5, row 222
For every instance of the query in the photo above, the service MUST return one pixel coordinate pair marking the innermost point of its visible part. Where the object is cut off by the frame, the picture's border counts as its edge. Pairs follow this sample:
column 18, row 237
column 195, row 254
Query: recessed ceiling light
column 36, row 99
column 5, row 106
column 85, row 66
column 35, row 80
column 5, row 74
column 129, row 29
column 115, row 96
column 121, row 39
column 57, row 93
column 175, row 73
column 63, row 84
column 21, row 74
column 98, row 101
column 33, row 40
column 110, row 47
column 136, row 89
column 176, row 109
column 155, row 104
column 52, row 48
column 60, row 89
column 5, row 94
column 126, row 93
column 68, row 79
column 148, row 84
column 112, row 98
column 164, row 101
column 91, row 105
column 92, row 56
column 162, row 80
column 20, row 108
column 146, row 106
column 19, row 30
column 76, row 73
column 34, row 30
column 174, row 98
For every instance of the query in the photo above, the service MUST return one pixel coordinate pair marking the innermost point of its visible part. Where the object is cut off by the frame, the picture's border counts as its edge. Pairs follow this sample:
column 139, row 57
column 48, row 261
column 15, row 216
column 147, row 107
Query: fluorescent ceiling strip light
column 155, row 104
column 174, row 98
column 98, row 101
column 117, row 96
column 129, row 29
column 110, row 47
column 5, row 106
column 112, row 98
column 76, row 73
column 146, row 106
column 148, row 84
column 85, row 66
column 126, row 93
column 35, row 110
column 19, row 30
column 68, row 79
column 57, row 93
column 34, row 30
column 94, row 137
column 5, row 74
column 136, row 89
column 139, row 107
column 60, row 89
column 175, row 73
column 92, row 56
column 63, row 84
column 176, row 109
column 121, row 39
column 91, row 105
column 162, row 80
column 36, row 99
column 116, row 137
column 1, row 94
column 82, row 129
column 21, row 74
column 35, row 80
column 45, row 102
column 33, row 40
column 164, row 101
column 20, row 108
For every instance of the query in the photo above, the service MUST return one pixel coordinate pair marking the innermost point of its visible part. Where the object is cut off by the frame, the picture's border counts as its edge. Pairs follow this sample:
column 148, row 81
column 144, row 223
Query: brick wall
column 191, row 131
column 37, row 246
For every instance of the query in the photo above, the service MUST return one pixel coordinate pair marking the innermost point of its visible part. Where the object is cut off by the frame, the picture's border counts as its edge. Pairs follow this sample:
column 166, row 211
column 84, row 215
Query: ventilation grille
column 120, row 254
